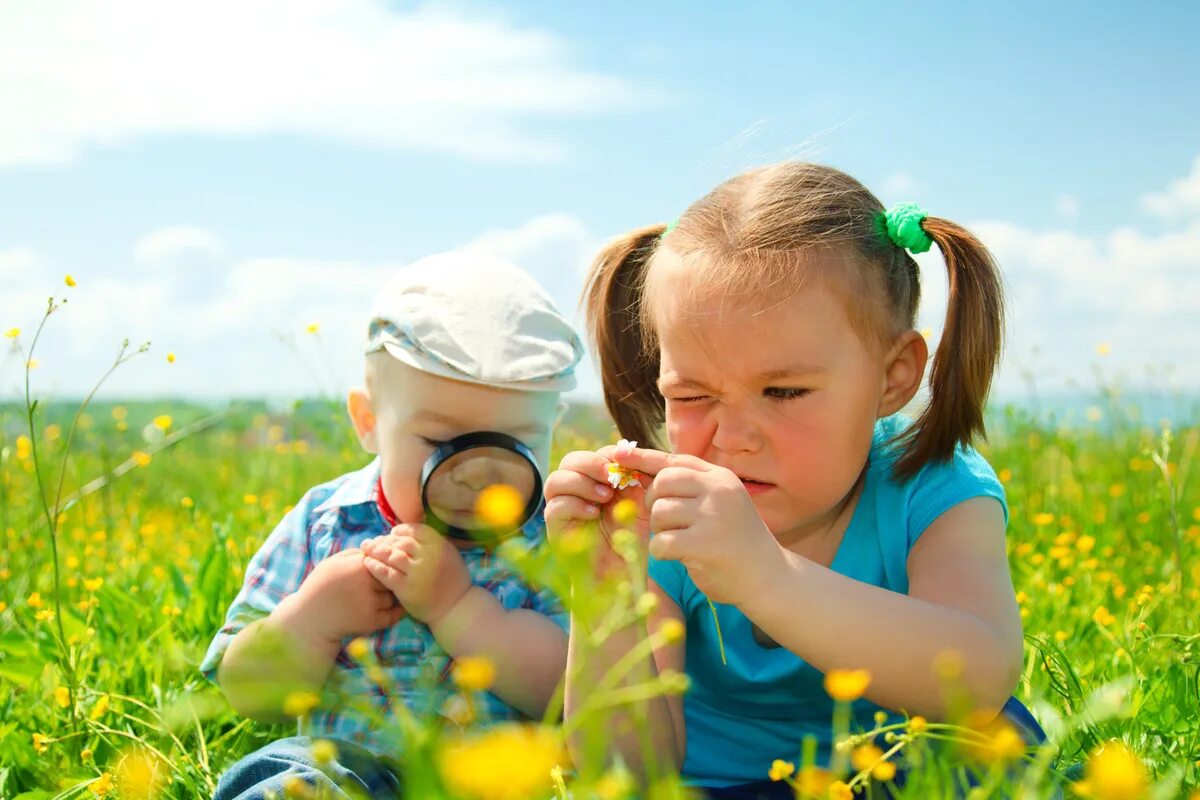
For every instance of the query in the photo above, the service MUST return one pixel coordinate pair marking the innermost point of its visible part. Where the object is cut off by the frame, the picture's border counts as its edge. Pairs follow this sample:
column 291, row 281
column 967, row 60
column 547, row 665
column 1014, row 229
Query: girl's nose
column 734, row 433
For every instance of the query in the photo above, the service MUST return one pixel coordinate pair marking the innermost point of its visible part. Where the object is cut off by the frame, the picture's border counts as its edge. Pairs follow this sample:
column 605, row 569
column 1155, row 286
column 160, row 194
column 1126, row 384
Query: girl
column 771, row 330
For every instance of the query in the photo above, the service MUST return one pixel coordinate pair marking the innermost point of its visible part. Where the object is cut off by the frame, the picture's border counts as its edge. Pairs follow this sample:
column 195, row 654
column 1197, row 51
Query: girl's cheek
column 689, row 430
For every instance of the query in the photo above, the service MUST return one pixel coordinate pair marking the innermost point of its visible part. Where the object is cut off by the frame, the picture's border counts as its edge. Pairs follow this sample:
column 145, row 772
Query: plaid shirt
column 338, row 515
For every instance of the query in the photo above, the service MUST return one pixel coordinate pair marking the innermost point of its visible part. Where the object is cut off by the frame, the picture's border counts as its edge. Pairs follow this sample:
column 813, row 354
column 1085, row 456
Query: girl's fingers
column 586, row 462
column 653, row 462
column 674, row 482
column 564, row 509
column 576, row 484
column 671, row 513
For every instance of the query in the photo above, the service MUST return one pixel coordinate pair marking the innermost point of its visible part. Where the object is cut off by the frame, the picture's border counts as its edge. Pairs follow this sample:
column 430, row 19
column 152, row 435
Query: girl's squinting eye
column 434, row 443
column 785, row 392
column 692, row 399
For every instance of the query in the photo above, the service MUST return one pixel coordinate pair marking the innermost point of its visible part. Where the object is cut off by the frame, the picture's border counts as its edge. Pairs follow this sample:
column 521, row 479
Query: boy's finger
column 653, row 462
column 668, row 545
column 388, row 618
column 386, row 574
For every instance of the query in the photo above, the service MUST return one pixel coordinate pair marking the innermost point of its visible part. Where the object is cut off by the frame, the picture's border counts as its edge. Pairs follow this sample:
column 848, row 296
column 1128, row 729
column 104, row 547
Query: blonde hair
column 759, row 236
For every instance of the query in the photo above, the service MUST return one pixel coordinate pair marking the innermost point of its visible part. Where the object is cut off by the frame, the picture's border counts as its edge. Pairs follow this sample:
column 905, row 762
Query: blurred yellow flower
column 839, row 790
column 187, row 502
column 781, row 769
column 298, row 704
column 1114, row 772
column 170, row 358
column 45, row 615
column 34, row 600
column 474, row 674
column 324, row 751
column 140, row 776
column 62, row 696
column 313, row 327
column 672, row 630
column 100, row 708
column 847, row 685
column 1103, row 617
column 625, row 512
column 102, row 786
column 996, row 739
column 69, row 281
column 41, row 742
column 1043, row 518
column 358, row 649
column 507, row 762
column 12, row 333
column 32, row 363
column 864, row 757
column 250, row 499
column 93, row 584
column 917, row 724
column 162, row 422
column 141, row 458
column 1085, row 543
column 3, row 606
column 500, row 506
column 1103, row 349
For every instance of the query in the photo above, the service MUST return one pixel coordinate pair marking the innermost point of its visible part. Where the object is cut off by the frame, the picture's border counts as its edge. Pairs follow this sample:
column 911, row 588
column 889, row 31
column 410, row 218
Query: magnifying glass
column 480, row 487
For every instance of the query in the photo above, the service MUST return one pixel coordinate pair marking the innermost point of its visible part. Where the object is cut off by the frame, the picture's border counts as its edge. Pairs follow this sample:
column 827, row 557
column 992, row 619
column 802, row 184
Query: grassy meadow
column 126, row 529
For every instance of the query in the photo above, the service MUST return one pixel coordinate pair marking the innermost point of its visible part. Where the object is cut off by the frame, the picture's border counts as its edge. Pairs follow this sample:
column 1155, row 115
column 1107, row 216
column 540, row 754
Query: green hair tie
column 903, row 224
column 670, row 227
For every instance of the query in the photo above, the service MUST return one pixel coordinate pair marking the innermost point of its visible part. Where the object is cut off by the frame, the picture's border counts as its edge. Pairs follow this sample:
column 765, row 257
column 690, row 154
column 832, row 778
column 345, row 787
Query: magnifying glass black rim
column 474, row 441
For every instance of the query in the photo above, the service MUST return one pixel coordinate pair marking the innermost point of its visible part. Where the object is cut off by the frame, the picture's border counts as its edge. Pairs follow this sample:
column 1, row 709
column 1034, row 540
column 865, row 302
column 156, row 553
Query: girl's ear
column 904, row 368
column 358, row 405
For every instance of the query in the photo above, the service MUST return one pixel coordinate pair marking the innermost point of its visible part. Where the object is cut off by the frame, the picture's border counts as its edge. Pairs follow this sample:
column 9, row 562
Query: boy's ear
column 358, row 405
column 904, row 368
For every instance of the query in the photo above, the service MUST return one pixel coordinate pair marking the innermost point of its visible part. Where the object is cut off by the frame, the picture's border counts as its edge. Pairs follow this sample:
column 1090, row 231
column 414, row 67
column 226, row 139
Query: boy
column 460, row 342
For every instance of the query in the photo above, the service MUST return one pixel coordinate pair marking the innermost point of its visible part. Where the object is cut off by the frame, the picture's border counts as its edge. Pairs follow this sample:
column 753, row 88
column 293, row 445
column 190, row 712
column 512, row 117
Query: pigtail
column 612, row 301
column 967, row 354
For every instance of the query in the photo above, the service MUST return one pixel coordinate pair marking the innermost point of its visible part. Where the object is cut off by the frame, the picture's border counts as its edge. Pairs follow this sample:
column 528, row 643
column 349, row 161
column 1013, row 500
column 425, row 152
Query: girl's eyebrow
column 677, row 382
column 793, row 371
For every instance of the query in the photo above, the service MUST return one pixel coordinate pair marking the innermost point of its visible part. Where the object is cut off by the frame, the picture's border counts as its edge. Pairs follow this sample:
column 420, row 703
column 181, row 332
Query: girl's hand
column 578, row 493
column 702, row 516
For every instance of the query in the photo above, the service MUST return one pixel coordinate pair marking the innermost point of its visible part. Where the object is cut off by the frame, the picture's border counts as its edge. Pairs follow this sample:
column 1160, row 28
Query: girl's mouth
column 756, row 487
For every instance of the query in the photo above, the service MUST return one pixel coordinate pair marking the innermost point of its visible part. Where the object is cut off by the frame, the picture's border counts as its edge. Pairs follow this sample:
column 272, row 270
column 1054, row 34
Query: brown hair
column 759, row 235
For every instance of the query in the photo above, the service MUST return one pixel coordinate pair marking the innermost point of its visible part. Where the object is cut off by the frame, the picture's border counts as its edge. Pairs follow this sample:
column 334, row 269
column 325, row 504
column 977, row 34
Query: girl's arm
column 960, row 601
column 665, row 735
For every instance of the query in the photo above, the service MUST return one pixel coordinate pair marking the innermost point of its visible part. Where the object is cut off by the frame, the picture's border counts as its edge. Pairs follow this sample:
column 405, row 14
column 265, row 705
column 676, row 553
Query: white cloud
column 84, row 75
column 16, row 264
column 1180, row 198
column 170, row 242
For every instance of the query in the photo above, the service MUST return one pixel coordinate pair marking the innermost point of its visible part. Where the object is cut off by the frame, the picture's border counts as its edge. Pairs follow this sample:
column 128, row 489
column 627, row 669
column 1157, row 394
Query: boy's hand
column 578, row 493
column 426, row 573
column 702, row 516
column 339, row 598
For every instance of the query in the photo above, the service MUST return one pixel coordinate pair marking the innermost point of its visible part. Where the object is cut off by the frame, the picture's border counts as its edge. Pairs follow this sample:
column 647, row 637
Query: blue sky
column 217, row 176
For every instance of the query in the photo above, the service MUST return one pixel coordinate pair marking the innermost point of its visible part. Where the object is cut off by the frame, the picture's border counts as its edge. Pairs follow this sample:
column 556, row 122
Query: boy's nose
column 475, row 473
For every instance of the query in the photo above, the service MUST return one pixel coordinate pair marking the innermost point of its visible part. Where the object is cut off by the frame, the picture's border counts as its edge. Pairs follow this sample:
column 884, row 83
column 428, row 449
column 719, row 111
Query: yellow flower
column 1103, row 617
column 93, row 584
column 847, row 685
column 917, row 724
column 12, row 333
column 781, row 769
column 840, row 791
column 622, row 477
column 884, row 771
column 45, row 615
column 34, row 600
column 69, row 281
column 625, row 512
column 101, row 786
column 1085, row 543
column 3, row 606
column 33, row 363
column 864, row 757
column 250, row 499
column 313, row 327
column 99, row 709
column 1005, row 475
column 815, row 782
column 171, row 611
column 298, row 704
column 187, row 502
column 140, row 776
column 41, row 742
column 170, row 358
column 672, row 630
column 1103, row 349
column 1043, row 518
column 507, row 762
column 500, row 506
column 1114, row 772
column 324, row 751
column 474, row 674
column 358, row 649
column 141, row 458
column 62, row 696
column 995, row 740
column 162, row 422
column 85, row 754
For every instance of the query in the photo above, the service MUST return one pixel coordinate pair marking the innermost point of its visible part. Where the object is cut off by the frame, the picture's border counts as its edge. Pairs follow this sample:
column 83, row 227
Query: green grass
column 1104, row 538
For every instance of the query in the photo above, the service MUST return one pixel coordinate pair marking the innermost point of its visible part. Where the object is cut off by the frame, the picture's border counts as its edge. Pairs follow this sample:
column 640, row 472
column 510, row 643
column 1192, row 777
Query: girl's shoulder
column 938, row 485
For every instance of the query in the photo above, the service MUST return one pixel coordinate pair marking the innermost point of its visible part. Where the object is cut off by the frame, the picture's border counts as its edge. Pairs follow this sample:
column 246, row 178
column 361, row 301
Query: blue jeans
column 1014, row 711
column 262, row 775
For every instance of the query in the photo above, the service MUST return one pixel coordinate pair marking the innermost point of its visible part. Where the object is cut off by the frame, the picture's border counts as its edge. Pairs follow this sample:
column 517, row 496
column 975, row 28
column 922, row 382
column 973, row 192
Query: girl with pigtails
column 796, row 523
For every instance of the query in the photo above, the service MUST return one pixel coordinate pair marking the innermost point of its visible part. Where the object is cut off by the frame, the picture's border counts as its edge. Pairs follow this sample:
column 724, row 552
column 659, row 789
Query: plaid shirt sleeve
column 274, row 572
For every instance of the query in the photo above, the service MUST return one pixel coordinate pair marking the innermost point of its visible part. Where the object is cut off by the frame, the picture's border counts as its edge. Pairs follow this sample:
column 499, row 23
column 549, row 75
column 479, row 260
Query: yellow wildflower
column 100, row 708
column 250, row 499
column 34, row 600
column 1103, row 617
column 170, row 358
column 358, row 649
column 838, row 790
column 1043, row 518
column 32, row 363
column 1103, row 349
column 847, row 685
column 313, row 327
column 12, row 333
column 781, row 769
column 85, row 754
column 298, row 704
column 507, row 762
column 162, row 422
column 102, row 786
column 672, row 630
column 62, row 696
column 884, row 771
column 41, row 742
column 625, row 512
column 474, row 674
column 324, row 751
column 69, row 281
column 917, row 724
column 93, row 584
column 3, row 606
column 815, row 782
column 997, row 739
column 187, row 502
column 864, row 757
column 140, row 776
column 45, row 615
column 1114, row 772
column 500, row 506
column 141, row 458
